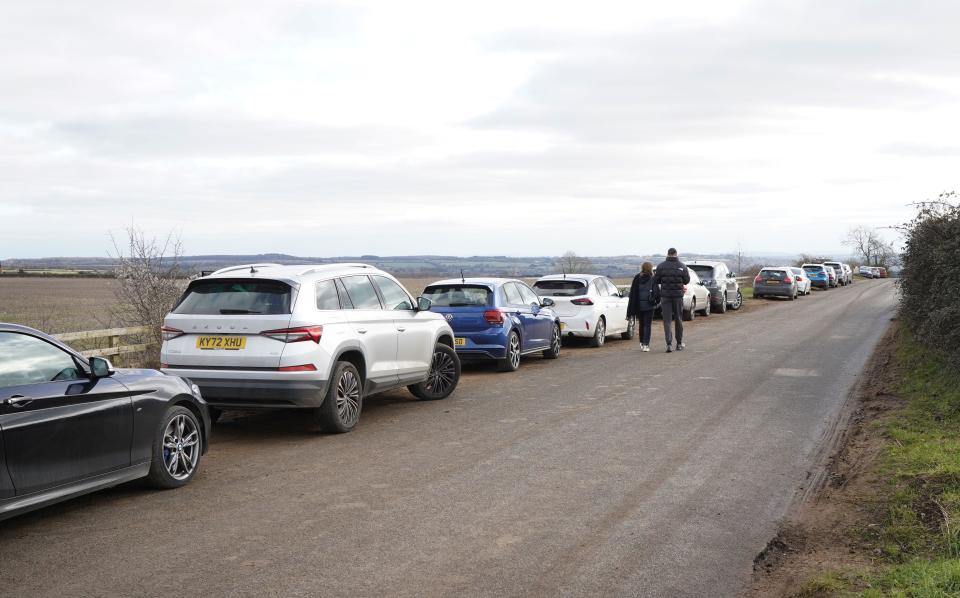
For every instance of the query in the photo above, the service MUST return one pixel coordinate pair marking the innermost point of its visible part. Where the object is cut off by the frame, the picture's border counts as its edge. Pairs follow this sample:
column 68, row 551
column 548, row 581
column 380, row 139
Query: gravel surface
column 609, row 472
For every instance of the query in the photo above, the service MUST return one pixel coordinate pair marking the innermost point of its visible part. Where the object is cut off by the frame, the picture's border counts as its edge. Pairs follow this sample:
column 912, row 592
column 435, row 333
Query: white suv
column 319, row 337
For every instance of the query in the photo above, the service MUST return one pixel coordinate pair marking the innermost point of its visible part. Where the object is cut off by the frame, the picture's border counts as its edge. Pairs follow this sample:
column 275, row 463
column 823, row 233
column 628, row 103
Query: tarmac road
column 610, row 472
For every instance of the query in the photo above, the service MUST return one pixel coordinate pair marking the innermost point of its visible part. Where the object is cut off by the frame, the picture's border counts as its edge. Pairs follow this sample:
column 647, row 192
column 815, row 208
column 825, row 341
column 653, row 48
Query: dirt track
column 579, row 477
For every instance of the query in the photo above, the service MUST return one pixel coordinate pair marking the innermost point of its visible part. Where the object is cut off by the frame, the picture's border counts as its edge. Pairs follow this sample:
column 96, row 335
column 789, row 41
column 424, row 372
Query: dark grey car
column 775, row 282
column 721, row 282
column 71, row 425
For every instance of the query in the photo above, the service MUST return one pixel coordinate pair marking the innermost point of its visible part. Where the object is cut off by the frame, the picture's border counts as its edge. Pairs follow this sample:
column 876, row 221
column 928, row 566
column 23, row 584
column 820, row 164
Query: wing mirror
column 547, row 302
column 100, row 368
column 423, row 304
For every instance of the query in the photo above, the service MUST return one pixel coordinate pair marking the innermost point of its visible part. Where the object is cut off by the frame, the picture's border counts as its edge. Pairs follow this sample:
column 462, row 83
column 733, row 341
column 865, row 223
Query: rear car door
column 542, row 318
column 375, row 329
column 58, row 426
column 415, row 337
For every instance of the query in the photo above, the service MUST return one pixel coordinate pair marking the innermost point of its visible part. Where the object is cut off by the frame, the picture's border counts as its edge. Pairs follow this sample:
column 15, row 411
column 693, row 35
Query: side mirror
column 731, row 274
column 423, row 304
column 100, row 368
column 547, row 302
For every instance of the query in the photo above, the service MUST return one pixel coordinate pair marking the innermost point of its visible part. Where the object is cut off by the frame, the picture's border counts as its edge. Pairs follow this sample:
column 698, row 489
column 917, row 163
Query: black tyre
column 177, row 448
column 343, row 402
column 707, row 309
column 793, row 297
column 511, row 362
column 723, row 304
column 738, row 302
column 554, row 351
column 691, row 314
column 631, row 329
column 599, row 333
column 443, row 377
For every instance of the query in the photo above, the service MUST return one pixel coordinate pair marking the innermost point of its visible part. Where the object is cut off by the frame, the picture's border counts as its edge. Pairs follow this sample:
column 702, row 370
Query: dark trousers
column 645, row 321
column 672, row 308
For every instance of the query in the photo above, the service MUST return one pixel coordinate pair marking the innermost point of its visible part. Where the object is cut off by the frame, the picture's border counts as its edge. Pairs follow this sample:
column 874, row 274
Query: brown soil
column 821, row 532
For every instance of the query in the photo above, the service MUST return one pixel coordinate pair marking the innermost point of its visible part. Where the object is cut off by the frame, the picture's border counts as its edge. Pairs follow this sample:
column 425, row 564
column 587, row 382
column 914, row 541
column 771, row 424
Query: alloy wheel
column 348, row 398
column 443, row 372
column 181, row 447
column 601, row 332
column 513, row 351
column 555, row 343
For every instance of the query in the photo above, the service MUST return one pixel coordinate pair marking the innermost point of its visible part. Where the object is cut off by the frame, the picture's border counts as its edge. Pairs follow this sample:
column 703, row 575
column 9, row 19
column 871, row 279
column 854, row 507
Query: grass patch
column 747, row 292
column 916, row 536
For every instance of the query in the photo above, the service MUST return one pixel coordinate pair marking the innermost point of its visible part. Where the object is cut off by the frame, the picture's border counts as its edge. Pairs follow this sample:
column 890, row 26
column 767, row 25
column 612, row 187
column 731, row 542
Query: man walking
column 672, row 277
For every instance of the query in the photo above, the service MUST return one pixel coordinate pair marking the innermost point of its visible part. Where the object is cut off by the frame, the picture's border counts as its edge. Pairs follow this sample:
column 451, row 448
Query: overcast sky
column 497, row 127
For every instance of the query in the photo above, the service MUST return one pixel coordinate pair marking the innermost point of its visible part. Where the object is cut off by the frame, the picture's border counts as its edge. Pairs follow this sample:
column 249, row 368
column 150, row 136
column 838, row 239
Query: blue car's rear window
column 458, row 295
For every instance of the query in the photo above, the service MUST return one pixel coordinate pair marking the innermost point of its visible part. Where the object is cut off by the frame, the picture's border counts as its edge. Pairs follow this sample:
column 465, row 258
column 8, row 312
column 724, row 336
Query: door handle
column 362, row 330
column 400, row 328
column 18, row 401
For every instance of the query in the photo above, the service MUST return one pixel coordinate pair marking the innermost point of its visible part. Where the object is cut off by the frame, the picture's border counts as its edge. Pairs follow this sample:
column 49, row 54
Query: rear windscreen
column 773, row 274
column 703, row 271
column 235, row 298
column 560, row 288
column 814, row 269
column 458, row 295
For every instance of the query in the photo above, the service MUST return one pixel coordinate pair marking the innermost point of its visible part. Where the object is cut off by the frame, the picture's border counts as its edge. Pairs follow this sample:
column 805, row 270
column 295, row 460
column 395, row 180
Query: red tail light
column 168, row 333
column 788, row 280
column 758, row 279
column 164, row 366
column 493, row 316
column 295, row 335
column 307, row 367
column 582, row 301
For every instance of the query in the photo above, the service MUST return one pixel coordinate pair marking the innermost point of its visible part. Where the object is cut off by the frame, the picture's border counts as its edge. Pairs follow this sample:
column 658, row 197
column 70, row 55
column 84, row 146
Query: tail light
column 307, row 367
column 758, row 279
column 168, row 333
column 164, row 366
column 493, row 316
column 788, row 280
column 582, row 301
column 295, row 335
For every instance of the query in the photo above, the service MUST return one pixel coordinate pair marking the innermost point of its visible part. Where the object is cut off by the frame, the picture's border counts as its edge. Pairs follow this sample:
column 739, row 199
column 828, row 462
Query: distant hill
column 404, row 265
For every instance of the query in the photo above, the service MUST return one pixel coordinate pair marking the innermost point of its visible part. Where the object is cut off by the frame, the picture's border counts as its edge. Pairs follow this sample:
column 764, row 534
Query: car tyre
column 443, row 377
column 554, row 351
column 599, row 333
column 708, row 308
column 722, row 308
column 511, row 362
column 738, row 302
column 340, row 410
column 177, row 449
column 631, row 329
column 691, row 314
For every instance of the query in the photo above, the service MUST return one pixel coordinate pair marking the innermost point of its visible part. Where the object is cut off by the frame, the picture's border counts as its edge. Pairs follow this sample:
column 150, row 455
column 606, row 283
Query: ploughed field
column 605, row 472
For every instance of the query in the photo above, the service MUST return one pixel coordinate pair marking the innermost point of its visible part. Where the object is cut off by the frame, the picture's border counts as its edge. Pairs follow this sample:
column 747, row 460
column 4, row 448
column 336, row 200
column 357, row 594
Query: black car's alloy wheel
column 554, row 351
column 177, row 449
column 443, row 377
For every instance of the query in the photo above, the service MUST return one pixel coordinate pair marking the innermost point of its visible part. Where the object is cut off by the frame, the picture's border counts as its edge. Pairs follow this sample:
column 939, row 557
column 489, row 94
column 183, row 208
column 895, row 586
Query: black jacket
column 671, row 276
column 644, row 295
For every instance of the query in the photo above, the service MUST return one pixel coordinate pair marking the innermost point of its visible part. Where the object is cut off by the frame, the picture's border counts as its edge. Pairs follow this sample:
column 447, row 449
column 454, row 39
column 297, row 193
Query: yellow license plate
column 227, row 343
column 562, row 326
column 459, row 342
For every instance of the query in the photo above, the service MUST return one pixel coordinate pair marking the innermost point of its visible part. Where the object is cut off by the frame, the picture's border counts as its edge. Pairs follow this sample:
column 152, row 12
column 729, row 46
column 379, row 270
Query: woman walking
column 644, row 298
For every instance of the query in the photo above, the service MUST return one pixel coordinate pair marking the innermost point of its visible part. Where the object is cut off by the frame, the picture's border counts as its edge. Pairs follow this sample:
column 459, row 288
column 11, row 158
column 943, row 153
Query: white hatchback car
column 589, row 306
column 319, row 337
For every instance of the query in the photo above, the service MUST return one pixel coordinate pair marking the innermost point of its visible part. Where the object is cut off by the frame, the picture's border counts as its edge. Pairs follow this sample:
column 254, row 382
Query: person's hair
column 646, row 268
column 672, row 252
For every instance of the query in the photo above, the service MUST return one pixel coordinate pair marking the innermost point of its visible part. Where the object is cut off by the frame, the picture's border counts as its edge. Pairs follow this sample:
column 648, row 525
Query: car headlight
column 195, row 390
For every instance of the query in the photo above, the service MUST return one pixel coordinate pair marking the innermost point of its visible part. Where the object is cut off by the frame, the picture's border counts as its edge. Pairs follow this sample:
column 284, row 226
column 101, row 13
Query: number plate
column 773, row 282
column 563, row 326
column 459, row 342
column 227, row 343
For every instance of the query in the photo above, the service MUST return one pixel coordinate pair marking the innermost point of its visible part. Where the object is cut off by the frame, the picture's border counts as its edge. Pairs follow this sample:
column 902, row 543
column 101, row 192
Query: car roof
column 580, row 277
column 292, row 273
column 705, row 263
column 492, row 281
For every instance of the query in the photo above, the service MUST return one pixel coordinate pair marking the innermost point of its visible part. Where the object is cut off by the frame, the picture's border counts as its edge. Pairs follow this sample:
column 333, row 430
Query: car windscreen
column 459, row 295
column 235, row 298
column 560, row 288
column 704, row 272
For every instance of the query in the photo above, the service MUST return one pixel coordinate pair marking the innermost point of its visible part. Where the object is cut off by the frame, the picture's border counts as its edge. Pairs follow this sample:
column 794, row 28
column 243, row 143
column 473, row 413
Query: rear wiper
column 461, row 305
column 236, row 312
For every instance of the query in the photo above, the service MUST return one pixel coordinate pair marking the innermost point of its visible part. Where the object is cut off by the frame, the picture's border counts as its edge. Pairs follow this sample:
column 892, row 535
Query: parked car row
column 872, row 272
column 793, row 282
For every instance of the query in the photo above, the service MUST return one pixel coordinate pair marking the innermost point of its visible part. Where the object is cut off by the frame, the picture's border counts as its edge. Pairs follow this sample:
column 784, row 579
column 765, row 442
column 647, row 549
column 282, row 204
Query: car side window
column 599, row 289
column 26, row 359
column 327, row 297
column 393, row 294
column 361, row 292
column 529, row 297
column 614, row 291
column 513, row 295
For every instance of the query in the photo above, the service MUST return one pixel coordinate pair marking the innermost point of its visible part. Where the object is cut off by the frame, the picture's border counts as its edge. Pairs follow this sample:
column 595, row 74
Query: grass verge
column 912, row 538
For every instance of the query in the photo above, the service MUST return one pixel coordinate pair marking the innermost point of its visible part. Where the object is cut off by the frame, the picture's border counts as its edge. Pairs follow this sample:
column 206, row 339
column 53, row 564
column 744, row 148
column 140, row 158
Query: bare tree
column 571, row 263
column 811, row 259
column 870, row 246
column 150, row 279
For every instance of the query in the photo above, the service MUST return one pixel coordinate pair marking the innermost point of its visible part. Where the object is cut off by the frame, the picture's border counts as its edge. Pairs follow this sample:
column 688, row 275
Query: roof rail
column 244, row 267
column 325, row 267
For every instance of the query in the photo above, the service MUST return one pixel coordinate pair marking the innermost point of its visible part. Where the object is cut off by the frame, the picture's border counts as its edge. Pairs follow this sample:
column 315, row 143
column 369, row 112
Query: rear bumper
column 577, row 326
column 254, row 393
column 481, row 346
column 774, row 291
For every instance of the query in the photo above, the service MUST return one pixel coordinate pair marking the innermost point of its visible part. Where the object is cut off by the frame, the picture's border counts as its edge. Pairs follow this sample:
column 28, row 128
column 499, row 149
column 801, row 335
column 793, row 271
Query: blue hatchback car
column 817, row 273
column 496, row 318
